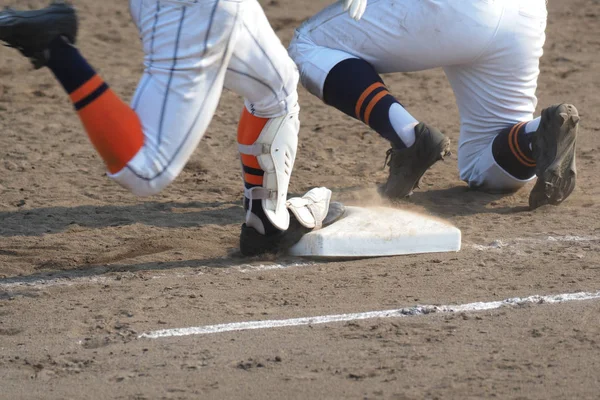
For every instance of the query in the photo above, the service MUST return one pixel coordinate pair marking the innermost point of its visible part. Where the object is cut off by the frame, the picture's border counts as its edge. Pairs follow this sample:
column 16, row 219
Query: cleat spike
column 564, row 116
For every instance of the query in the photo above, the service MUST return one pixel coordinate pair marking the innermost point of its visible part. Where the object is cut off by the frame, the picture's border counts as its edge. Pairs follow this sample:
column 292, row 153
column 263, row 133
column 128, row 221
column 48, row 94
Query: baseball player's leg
column 494, row 93
column 263, row 73
column 502, row 147
column 187, row 47
column 46, row 36
column 144, row 146
column 339, row 61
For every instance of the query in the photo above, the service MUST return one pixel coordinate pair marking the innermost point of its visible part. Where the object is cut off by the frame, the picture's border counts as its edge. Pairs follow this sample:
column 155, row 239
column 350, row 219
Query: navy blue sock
column 511, row 150
column 68, row 65
column 355, row 88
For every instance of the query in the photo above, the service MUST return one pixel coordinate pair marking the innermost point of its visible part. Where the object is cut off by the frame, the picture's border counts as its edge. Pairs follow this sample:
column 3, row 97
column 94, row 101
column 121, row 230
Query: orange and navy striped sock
column 112, row 126
column 355, row 88
column 249, row 128
column 512, row 151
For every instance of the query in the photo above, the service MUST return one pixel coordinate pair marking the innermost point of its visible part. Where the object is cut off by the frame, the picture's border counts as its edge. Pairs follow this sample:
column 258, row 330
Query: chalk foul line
column 402, row 312
column 79, row 277
column 500, row 244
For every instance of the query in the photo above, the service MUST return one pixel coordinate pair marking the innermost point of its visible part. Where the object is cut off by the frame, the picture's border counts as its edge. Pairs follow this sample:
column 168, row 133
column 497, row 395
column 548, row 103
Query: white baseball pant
column 489, row 50
column 194, row 48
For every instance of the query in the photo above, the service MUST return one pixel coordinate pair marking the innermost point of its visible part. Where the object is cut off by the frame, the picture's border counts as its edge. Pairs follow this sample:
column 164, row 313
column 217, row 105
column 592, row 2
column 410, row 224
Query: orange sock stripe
column 86, row 89
column 511, row 144
column 373, row 103
column 527, row 159
column 114, row 129
column 249, row 128
column 514, row 146
column 253, row 179
column 364, row 96
column 250, row 161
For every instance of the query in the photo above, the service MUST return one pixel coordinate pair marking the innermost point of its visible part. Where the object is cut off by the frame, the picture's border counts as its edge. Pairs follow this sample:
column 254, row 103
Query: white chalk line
column 499, row 244
column 79, row 280
column 398, row 313
column 267, row 267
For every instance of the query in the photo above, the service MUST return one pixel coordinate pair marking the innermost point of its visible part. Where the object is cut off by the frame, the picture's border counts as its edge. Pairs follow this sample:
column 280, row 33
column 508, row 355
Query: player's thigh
column 407, row 35
column 260, row 68
column 187, row 46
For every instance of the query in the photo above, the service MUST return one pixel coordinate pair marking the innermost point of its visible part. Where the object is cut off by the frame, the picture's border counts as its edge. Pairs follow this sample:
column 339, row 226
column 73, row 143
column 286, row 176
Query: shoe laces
column 388, row 157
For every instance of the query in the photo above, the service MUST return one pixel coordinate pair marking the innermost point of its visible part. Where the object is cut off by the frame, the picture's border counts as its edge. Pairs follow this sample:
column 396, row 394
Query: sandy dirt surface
column 85, row 267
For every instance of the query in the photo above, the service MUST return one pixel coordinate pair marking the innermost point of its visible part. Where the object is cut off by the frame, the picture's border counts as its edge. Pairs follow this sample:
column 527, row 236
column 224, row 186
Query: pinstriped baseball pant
column 193, row 49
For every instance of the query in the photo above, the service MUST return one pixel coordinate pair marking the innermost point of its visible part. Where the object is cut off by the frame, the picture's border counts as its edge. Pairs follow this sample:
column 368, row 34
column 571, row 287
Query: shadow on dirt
column 113, row 271
column 36, row 222
column 445, row 203
column 462, row 201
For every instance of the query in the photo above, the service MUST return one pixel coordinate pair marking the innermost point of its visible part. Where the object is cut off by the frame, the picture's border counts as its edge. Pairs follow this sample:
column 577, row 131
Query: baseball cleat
column 31, row 32
column 408, row 165
column 252, row 243
column 553, row 147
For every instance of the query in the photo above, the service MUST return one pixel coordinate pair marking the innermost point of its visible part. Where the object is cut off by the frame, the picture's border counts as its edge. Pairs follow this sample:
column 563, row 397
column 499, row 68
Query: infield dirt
column 85, row 267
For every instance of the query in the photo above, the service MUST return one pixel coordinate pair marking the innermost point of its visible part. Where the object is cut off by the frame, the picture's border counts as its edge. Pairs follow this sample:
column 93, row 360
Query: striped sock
column 512, row 151
column 112, row 126
column 249, row 129
column 354, row 87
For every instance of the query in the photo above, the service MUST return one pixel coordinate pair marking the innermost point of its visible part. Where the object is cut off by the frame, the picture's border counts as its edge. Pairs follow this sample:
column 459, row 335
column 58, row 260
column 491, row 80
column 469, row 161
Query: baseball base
column 380, row 231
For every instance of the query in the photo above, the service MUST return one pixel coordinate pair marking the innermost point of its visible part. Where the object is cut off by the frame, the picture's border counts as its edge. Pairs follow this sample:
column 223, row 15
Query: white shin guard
column 275, row 150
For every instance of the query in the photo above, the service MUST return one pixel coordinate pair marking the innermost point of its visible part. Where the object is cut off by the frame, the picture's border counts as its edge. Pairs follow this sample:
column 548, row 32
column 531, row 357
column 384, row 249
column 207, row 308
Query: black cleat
column 31, row 32
column 252, row 243
column 408, row 165
column 553, row 147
